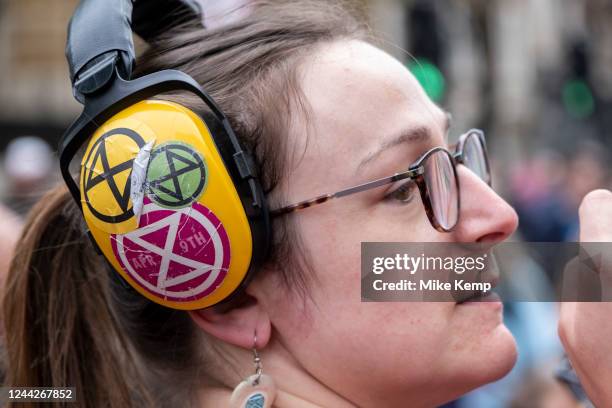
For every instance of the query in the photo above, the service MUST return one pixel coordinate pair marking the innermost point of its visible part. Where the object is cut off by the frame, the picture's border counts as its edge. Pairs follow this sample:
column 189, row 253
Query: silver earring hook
column 257, row 361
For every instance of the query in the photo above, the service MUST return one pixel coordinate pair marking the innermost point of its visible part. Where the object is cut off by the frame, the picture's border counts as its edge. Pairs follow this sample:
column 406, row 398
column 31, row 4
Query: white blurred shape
column 28, row 158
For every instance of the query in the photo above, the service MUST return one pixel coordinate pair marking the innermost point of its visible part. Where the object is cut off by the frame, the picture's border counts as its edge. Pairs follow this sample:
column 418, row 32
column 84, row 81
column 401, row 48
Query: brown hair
column 68, row 322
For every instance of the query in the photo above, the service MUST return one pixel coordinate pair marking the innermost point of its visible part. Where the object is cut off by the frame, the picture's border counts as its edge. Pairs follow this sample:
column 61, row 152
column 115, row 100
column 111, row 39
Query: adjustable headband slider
column 245, row 164
column 248, row 171
column 95, row 75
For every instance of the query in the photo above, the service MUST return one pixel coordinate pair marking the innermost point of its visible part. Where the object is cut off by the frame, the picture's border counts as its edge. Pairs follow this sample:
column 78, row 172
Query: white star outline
column 199, row 268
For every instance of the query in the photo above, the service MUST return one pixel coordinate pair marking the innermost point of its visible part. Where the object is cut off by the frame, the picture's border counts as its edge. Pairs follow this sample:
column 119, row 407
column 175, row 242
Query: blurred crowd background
column 536, row 75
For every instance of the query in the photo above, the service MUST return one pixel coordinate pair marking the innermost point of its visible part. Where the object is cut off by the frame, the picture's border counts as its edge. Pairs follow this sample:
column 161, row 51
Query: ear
column 237, row 325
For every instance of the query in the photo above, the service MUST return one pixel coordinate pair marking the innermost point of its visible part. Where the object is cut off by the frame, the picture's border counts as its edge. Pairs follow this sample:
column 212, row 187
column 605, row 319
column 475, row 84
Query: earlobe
column 237, row 326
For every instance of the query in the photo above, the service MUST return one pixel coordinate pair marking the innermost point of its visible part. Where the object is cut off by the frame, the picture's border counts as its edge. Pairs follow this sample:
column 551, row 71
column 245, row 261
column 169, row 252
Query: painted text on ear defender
column 191, row 245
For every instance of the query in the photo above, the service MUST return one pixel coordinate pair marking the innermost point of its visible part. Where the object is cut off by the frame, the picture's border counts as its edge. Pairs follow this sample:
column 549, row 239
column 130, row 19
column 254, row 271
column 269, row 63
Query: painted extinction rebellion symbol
column 176, row 176
column 179, row 255
column 106, row 180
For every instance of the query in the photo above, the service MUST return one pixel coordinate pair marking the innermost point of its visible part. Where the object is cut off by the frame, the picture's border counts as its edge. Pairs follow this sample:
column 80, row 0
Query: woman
column 322, row 109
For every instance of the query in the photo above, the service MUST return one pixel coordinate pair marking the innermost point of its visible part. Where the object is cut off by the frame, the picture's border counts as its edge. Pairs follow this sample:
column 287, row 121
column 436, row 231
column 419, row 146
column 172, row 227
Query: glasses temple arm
column 343, row 193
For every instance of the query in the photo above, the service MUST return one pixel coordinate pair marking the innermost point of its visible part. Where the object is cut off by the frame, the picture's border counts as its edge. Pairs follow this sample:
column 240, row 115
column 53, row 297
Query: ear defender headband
column 170, row 198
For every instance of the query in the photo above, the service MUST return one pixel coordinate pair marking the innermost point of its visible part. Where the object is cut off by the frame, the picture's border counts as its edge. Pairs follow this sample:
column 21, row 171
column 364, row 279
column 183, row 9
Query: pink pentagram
column 180, row 255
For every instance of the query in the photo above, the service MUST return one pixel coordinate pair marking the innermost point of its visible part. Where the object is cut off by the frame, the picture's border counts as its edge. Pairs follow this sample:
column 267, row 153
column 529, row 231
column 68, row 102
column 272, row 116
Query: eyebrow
column 417, row 134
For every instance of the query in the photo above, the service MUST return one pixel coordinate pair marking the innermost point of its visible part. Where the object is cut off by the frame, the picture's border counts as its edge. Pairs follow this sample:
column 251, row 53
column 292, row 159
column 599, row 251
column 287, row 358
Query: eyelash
column 409, row 187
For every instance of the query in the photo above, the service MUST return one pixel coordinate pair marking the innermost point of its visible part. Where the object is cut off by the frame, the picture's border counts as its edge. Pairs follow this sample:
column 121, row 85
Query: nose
column 485, row 217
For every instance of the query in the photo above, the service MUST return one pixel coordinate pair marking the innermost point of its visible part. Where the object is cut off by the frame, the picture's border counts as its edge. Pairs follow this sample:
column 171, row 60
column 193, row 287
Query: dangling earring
column 257, row 391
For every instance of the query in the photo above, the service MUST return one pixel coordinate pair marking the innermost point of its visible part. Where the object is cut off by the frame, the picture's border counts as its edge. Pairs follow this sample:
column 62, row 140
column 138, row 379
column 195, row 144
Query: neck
column 295, row 386
column 219, row 397
column 286, row 400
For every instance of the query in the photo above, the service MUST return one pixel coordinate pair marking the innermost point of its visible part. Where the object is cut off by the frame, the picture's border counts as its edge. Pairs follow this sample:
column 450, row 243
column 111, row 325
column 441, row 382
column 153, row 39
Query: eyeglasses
column 434, row 173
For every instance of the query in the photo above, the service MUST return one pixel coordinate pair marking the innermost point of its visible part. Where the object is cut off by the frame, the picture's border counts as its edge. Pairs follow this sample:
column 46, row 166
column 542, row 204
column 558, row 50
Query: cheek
column 332, row 241
column 363, row 338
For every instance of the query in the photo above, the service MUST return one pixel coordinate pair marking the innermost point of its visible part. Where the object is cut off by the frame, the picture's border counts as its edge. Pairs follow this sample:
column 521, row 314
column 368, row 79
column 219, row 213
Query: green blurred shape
column 578, row 99
column 430, row 77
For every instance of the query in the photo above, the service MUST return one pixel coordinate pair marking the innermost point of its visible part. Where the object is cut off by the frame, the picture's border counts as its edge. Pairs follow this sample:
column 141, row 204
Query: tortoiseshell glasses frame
column 470, row 143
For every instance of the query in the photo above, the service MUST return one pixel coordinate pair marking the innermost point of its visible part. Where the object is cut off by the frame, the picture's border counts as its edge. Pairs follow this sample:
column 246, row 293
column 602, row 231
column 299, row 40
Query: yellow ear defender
column 170, row 197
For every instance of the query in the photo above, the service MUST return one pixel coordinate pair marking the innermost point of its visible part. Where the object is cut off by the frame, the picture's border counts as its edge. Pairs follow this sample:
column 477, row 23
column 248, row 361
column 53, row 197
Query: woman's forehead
column 359, row 96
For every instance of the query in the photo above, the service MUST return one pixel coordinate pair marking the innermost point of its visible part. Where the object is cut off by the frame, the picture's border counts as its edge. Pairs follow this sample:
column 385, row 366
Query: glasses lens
column 474, row 157
column 441, row 184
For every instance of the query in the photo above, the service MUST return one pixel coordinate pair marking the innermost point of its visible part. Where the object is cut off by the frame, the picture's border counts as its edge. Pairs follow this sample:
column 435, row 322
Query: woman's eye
column 404, row 193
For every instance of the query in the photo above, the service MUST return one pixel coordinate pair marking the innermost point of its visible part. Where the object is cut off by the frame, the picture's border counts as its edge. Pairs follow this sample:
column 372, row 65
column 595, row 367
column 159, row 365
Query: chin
column 498, row 358
column 467, row 369
column 485, row 363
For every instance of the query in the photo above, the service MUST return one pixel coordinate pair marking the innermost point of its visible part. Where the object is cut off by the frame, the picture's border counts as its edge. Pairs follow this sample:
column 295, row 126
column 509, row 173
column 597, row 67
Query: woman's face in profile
column 362, row 99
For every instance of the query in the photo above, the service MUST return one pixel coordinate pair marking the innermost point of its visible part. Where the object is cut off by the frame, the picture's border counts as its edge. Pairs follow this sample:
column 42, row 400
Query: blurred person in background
column 537, row 188
column 541, row 391
column 29, row 171
column 587, row 169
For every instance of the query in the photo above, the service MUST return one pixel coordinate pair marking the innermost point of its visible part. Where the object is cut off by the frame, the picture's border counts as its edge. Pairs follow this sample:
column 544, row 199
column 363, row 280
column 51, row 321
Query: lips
column 478, row 295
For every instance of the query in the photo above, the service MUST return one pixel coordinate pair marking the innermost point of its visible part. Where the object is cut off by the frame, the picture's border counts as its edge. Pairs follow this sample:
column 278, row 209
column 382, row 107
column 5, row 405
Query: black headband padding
column 98, row 28
column 100, row 36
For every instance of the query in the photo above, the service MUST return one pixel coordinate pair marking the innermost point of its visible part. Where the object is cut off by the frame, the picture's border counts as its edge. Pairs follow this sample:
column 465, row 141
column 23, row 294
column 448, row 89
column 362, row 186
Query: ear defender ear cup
column 164, row 209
